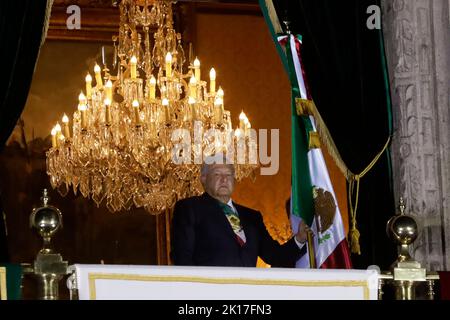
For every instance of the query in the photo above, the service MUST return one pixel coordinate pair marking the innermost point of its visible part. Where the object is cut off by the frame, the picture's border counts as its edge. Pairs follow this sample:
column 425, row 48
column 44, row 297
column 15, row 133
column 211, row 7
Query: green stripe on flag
column 302, row 202
column 13, row 280
column 269, row 22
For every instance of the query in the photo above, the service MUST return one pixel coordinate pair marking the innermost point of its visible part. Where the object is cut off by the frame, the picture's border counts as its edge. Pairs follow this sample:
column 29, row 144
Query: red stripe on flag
column 283, row 42
column 298, row 47
column 339, row 258
column 444, row 281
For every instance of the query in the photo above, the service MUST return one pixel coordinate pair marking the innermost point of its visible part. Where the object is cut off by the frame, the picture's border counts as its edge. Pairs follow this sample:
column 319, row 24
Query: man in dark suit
column 212, row 230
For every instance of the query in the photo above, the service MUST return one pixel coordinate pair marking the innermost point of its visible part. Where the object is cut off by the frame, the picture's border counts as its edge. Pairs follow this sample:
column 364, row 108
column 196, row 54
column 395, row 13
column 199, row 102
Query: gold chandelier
column 139, row 136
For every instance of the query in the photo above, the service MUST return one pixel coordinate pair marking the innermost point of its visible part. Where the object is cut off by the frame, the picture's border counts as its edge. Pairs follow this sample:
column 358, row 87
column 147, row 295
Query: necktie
column 235, row 222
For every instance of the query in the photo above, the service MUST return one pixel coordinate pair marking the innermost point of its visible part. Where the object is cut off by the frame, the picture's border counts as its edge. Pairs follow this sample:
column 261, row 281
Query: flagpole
column 311, row 251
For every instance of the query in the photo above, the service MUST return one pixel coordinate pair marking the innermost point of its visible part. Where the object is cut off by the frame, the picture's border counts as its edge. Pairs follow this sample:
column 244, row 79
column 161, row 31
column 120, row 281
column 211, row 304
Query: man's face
column 219, row 180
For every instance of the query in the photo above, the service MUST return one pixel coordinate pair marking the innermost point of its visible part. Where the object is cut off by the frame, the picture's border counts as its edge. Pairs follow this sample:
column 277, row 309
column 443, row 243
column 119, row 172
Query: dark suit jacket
column 202, row 236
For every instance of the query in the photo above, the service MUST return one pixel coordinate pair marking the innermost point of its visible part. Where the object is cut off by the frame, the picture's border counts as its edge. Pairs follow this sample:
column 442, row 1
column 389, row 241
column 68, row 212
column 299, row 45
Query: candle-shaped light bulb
column 108, row 89
column 53, row 133
column 152, row 88
column 168, row 65
column 165, row 102
column 61, row 139
column 98, row 76
column 247, row 124
column 193, row 87
column 107, row 103
column 212, row 81
column 58, row 133
column 58, row 128
column 137, row 118
column 65, row 121
column 88, row 86
column 82, row 98
column 220, row 95
column 133, row 63
column 218, row 111
column 242, row 118
column 197, row 69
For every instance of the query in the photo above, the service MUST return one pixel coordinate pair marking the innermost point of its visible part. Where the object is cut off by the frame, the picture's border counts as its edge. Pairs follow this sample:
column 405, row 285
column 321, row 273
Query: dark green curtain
column 21, row 31
column 21, row 28
column 344, row 62
column 13, row 280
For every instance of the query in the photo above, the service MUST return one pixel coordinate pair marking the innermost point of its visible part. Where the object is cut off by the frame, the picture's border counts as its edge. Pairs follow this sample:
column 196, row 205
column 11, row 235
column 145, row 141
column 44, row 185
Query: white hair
column 218, row 158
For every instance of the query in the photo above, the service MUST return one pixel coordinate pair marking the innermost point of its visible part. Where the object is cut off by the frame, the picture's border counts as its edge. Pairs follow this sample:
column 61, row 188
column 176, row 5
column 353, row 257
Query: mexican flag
column 312, row 199
column 312, row 196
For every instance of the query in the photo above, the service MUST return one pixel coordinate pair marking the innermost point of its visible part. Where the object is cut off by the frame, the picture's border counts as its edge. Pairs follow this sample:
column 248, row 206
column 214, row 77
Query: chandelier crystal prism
column 139, row 135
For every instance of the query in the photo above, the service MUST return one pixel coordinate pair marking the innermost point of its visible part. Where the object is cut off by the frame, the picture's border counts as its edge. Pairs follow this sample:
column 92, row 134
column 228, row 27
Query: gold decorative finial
column 286, row 24
column 402, row 206
column 45, row 198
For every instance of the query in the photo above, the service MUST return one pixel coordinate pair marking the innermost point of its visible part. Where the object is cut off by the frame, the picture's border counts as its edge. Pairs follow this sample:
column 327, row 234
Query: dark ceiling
column 100, row 18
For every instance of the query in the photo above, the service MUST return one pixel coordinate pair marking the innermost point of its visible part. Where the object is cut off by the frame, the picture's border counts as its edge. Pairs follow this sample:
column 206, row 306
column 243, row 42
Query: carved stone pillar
column 417, row 36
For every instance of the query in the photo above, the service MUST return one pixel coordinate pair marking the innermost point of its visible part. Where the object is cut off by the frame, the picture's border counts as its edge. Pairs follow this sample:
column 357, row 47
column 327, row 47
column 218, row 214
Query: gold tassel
column 314, row 140
column 354, row 232
column 354, row 241
column 304, row 107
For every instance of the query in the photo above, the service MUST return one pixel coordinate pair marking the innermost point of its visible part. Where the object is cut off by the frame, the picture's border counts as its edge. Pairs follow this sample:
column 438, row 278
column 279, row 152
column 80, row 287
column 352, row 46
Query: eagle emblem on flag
column 324, row 208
